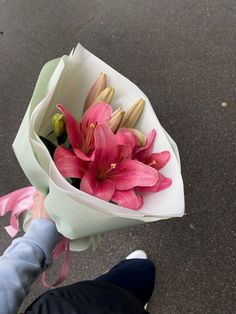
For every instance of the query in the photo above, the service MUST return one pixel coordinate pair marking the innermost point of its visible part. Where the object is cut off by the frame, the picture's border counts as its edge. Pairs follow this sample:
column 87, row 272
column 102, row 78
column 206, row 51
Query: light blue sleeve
column 23, row 261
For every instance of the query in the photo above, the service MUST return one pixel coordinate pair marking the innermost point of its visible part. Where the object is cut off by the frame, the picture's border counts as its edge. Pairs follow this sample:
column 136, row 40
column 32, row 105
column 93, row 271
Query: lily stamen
column 152, row 163
column 89, row 136
column 113, row 166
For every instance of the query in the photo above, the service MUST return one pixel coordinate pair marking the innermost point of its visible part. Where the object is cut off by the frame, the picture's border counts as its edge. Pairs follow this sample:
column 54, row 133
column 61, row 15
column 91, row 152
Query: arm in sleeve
column 23, row 261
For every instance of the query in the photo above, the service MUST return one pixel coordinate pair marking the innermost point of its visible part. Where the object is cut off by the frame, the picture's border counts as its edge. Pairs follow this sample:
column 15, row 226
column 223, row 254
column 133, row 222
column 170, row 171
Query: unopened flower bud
column 95, row 90
column 133, row 114
column 116, row 118
column 105, row 96
column 59, row 124
column 140, row 136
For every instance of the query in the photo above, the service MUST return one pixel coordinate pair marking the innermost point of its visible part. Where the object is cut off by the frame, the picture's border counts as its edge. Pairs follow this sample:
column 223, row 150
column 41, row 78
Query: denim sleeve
column 23, row 261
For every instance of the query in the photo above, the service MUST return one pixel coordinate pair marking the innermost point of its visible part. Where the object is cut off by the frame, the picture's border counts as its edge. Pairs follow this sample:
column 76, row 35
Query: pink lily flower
column 145, row 154
column 109, row 176
column 154, row 160
column 110, row 172
column 81, row 134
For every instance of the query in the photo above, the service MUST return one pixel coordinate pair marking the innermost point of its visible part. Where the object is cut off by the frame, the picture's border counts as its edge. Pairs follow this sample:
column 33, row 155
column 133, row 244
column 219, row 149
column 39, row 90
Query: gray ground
column 182, row 54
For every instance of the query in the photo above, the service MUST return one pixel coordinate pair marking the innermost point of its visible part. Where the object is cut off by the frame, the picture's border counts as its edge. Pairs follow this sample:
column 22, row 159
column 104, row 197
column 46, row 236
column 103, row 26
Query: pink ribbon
column 61, row 247
column 19, row 202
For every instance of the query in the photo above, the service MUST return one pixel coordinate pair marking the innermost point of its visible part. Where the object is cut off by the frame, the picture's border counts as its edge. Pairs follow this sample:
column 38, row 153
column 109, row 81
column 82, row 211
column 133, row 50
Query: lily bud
column 140, row 136
column 133, row 114
column 116, row 118
column 59, row 124
column 105, row 96
column 95, row 90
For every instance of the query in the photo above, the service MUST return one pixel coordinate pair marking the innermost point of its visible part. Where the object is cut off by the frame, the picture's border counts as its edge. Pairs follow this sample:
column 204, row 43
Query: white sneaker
column 137, row 254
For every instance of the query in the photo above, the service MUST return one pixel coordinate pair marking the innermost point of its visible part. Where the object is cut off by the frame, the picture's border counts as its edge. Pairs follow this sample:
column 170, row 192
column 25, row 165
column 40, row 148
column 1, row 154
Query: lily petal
column 71, row 167
column 125, row 136
column 158, row 160
column 128, row 199
column 161, row 184
column 128, row 143
column 164, row 182
column 143, row 152
column 125, row 152
column 88, row 182
column 61, row 152
column 98, row 113
column 149, row 189
column 103, row 189
column 131, row 173
column 80, row 154
column 106, row 148
column 72, row 127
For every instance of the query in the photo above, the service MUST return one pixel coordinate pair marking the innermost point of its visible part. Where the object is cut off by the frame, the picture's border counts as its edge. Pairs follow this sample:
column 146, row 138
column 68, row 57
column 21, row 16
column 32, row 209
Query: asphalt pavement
column 182, row 55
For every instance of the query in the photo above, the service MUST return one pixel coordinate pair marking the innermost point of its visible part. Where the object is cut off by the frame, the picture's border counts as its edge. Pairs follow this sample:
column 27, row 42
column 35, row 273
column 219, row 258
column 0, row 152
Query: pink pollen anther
column 152, row 163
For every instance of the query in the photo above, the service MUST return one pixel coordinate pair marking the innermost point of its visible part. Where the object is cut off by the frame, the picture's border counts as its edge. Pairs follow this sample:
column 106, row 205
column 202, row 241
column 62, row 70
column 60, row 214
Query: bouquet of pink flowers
column 103, row 154
column 102, row 168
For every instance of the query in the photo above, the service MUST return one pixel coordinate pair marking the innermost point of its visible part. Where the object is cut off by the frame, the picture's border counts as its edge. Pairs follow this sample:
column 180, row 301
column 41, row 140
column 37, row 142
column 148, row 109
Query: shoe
column 137, row 254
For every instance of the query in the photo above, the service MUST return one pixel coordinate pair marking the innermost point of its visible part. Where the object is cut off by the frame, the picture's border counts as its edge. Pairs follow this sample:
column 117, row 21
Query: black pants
column 135, row 275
